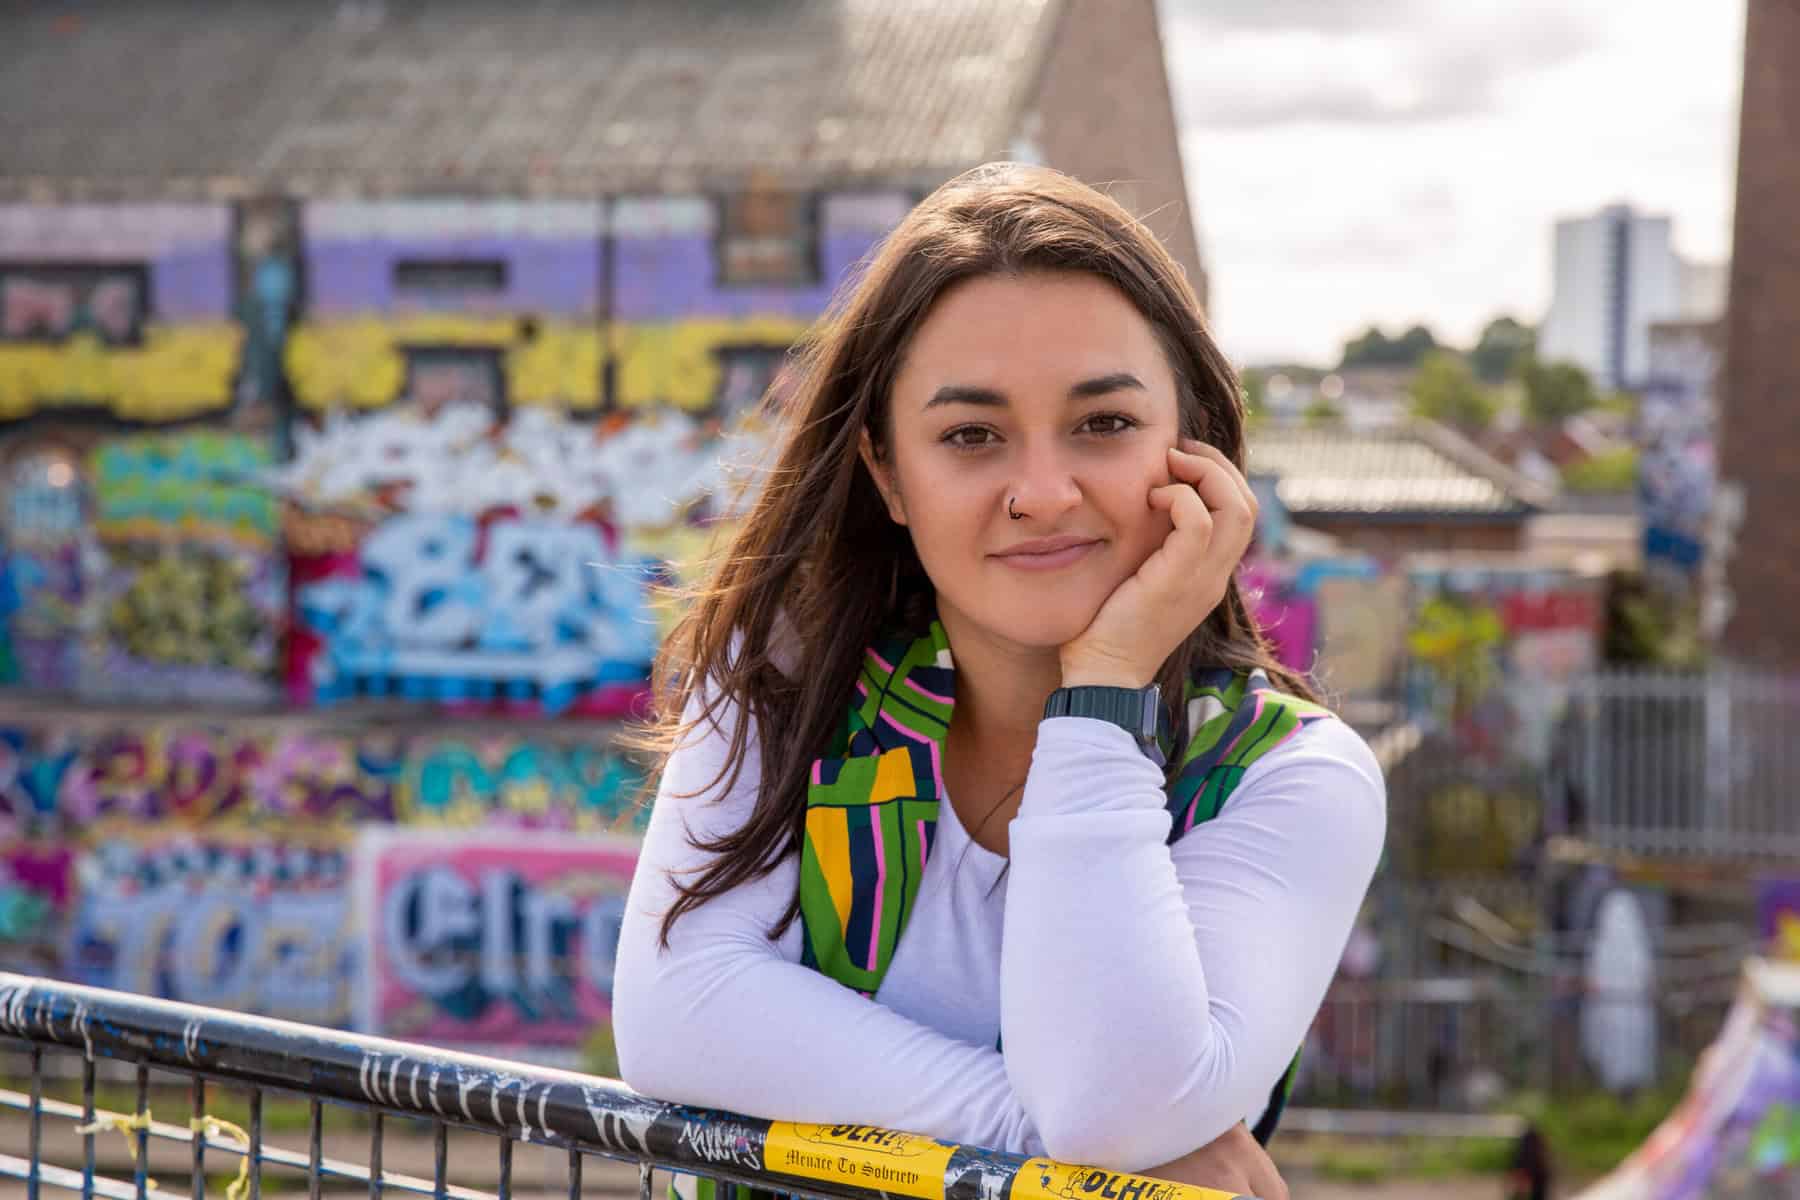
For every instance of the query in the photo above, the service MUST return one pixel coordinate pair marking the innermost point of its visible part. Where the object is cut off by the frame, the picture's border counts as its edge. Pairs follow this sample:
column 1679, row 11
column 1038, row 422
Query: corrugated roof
column 1413, row 470
column 563, row 95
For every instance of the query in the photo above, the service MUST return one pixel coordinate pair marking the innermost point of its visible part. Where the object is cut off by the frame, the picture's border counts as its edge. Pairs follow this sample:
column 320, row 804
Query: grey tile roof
column 533, row 96
column 1415, row 470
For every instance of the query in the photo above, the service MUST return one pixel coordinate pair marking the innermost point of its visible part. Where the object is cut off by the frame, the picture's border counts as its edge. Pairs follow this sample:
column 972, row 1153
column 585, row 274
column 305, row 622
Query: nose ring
column 1017, row 516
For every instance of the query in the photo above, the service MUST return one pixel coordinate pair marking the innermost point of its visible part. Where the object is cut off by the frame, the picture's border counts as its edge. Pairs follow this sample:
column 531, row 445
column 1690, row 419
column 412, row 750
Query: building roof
column 1416, row 470
column 534, row 97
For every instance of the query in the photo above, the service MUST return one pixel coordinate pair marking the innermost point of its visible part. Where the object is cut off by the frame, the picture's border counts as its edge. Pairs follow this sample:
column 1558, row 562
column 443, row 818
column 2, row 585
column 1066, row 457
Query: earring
column 1017, row 516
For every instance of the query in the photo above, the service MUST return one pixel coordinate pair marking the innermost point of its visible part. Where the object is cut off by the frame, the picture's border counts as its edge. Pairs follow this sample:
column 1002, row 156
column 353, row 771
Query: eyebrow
column 1087, row 389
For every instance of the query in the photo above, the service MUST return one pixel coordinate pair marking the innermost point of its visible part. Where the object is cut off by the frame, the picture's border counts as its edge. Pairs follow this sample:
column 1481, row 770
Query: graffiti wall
column 442, row 446
column 1340, row 620
column 531, row 613
column 251, row 923
column 254, row 823
column 123, row 309
column 501, row 942
column 45, row 559
column 1492, row 651
column 346, row 500
column 188, row 593
column 1676, row 466
column 68, row 783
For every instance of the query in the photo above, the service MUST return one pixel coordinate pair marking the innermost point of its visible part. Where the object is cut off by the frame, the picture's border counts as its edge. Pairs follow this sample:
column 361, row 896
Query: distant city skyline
column 1400, row 162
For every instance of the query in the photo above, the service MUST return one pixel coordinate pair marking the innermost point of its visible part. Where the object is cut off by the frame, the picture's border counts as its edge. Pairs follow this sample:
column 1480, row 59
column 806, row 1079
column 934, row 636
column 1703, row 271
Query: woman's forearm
column 1152, row 995
column 725, row 1018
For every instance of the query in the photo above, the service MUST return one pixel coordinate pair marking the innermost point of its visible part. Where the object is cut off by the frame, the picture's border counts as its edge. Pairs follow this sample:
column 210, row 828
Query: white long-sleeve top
column 1149, row 995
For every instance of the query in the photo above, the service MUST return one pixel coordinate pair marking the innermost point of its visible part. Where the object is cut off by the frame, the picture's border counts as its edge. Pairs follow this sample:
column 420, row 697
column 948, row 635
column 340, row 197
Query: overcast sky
column 1393, row 161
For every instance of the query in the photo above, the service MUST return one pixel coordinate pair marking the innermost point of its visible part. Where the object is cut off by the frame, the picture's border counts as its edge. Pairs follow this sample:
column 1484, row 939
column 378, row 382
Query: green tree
column 1504, row 347
column 1255, row 383
column 1416, row 343
column 1554, row 392
column 1446, row 390
column 1611, row 471
column 1322, row 412
column 1373, row 348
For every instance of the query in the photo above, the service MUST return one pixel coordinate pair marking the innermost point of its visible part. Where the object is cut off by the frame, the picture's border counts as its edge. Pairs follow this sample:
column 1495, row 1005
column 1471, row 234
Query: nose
column 1045, row 487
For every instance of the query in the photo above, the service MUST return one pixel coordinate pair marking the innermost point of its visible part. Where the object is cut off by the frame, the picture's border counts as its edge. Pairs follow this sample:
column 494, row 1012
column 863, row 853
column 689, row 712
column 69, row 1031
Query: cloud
column 1388, row 62
column 1394, row 161
column 1326, row 15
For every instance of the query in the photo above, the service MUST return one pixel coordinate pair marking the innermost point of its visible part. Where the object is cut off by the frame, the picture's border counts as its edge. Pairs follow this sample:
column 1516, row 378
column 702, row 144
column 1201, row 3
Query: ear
column 885, row 482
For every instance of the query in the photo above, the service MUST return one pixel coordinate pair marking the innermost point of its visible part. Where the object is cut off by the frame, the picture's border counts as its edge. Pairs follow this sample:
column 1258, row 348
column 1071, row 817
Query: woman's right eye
column 967, row 437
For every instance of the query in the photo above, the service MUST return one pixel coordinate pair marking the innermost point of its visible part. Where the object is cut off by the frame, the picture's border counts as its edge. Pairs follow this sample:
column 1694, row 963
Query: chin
column 1040, row 622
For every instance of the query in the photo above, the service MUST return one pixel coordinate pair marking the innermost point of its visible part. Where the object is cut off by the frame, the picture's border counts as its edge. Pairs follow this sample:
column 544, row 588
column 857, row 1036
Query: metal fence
column 1480, row 996
column 387, row 1082
column 1681, row 764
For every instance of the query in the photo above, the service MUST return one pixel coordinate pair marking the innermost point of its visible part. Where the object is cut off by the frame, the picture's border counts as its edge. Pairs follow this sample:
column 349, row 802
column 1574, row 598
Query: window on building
column 52, row 302
column 450, row 277
column 768, row 236
column 438, row 376
column 746, row 374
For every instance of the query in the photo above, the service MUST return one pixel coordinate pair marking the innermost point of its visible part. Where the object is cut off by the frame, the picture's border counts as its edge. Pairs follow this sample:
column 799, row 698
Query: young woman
column 986, row 812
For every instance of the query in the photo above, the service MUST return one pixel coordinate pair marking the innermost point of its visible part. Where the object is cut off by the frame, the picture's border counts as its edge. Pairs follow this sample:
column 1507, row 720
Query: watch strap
column 1135, row 710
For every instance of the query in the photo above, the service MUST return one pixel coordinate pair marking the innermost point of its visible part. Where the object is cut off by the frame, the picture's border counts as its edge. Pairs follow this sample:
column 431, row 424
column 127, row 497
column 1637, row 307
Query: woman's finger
column 1232, row 513
column 1214, row 454
column 1215, row 480
column 1173, row 567
column 1188, row 509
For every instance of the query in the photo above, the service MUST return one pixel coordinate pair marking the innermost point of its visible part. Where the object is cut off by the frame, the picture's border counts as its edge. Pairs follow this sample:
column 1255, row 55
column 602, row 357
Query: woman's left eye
column 1119, row 422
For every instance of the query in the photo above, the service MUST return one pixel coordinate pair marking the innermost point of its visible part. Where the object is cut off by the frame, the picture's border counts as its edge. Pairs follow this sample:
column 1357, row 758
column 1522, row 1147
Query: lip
column 1042, row 554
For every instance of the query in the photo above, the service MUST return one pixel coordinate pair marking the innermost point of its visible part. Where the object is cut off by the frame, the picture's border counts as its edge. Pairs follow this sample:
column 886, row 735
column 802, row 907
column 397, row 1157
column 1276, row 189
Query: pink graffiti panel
column 501, row 941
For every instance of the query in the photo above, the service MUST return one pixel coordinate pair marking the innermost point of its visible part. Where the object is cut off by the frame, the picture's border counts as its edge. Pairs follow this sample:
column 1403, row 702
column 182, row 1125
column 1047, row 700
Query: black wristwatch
column 1136, row 710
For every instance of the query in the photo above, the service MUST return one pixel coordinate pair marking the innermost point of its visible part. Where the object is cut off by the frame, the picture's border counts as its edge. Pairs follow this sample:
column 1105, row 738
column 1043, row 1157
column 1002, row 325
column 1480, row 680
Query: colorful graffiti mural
column 1778, row 917
column 253, row 823
column 190, row 589
column 62, row 784
column 45, row 571
column 37, row 881
column 121, row 308
column 645, row 473
column 1677, row 472
column 256, row 925
column 497, row 942
column 440, row 360
column 1338, row 619
column 435, row 454
column 1493, row 649
column 440, row 607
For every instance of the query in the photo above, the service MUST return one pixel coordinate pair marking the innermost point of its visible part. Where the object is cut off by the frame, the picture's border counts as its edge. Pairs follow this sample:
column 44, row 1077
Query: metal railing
column 1684, row 764
column 512, row 1103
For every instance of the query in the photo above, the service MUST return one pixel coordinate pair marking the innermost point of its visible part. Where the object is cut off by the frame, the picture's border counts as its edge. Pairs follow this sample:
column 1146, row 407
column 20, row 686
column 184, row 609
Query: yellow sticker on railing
column 865, row 1155
column 1043, row 1179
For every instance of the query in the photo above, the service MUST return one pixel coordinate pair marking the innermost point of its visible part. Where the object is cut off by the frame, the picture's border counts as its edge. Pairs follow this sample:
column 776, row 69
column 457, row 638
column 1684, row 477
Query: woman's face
column 1050, row 390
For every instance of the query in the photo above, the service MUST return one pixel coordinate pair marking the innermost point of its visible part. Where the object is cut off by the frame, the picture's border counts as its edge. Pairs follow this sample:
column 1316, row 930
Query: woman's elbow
column 640, row 1042
column 1095, row 1130
column 1102, row 1127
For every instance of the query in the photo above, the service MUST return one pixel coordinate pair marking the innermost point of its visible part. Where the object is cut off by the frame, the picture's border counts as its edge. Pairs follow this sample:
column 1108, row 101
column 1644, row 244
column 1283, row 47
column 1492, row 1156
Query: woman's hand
column 1231, row 1163
column 1179, row 585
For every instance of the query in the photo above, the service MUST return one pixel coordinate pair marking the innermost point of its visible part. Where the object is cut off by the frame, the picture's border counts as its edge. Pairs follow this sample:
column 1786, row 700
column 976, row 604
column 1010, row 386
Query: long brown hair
column 815, row 547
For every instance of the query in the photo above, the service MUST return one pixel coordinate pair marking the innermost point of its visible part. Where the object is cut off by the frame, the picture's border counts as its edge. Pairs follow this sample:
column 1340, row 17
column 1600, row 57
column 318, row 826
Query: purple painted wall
column 558, row 277
column 186, row 246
